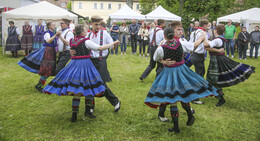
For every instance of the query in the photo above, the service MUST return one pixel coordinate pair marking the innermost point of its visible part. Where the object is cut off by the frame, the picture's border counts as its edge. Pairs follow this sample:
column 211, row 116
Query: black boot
column 190, row 121
column 88, row 112
column 161, row 116
column 13, row 53
column 39, row 86
column 175, row 127
column 187, row 108
column 16, row 54
column 221, row 98
column 74, row 116
column 221, row 102
column 175, row 119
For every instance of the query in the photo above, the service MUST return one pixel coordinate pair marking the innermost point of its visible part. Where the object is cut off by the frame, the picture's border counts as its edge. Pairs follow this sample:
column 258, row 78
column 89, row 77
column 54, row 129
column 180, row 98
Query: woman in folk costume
column 38, row 39
column 222, row 71
column 43, row 60
column 27, row 38
column 176, row 82
column 79, row 77
column 13, row 43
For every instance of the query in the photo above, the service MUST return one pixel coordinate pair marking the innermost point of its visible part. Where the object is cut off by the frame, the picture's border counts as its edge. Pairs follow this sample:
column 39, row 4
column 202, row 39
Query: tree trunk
column 130, row 3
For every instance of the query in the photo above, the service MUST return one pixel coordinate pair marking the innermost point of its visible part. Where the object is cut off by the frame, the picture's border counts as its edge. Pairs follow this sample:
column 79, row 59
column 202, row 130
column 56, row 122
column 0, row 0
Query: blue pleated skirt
column 178, row 84
column 32, row 62
column 37, row 46
column 79, row 77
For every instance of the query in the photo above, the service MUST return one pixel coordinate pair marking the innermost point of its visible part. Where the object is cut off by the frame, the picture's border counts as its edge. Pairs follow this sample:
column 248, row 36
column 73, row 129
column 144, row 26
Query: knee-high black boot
column 75, row 108
column 221, row 98
column 191, row 118
column 12, row 53
column 175, row 118
column 89, row 106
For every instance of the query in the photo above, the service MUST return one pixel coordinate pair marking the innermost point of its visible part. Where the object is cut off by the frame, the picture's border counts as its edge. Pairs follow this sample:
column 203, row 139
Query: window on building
column 119, row 6
column 101, row 5
column 80, row 5
column 63, row 4
column 109, row 6
column 137, row 7
column 95, row 5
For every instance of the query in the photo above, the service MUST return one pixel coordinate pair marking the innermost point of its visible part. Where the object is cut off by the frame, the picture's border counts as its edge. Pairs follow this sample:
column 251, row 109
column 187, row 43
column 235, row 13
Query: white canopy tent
column 161, row 13
column 126, row 13
column 42, row 10
column 246, row 17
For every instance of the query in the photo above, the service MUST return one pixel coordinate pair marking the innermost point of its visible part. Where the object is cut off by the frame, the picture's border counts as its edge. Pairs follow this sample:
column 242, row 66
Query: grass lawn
column 26, row 114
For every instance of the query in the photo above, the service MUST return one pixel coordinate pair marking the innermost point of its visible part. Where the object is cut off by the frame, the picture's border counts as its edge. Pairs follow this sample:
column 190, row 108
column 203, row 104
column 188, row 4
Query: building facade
column 102, row 8
column 60, row 3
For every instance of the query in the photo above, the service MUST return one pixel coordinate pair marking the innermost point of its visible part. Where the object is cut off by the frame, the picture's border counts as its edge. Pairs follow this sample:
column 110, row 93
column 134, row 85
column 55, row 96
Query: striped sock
column 75, row 103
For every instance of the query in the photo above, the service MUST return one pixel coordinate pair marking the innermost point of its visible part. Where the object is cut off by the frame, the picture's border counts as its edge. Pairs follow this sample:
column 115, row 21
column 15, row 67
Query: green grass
column 26, row 114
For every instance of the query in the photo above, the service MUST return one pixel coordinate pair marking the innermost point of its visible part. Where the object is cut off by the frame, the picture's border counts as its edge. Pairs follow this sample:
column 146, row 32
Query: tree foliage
column 69, row 5
column 189, row 9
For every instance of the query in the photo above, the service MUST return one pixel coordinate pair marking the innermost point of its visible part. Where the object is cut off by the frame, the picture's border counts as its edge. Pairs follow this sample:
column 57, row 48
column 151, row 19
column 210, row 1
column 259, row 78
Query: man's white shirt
column 107, row 39
column 69, row 36
column 200, row 49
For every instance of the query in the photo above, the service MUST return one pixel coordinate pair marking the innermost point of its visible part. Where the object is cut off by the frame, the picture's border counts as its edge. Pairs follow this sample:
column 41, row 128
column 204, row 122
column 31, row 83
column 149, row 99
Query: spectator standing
column 144, row 34
column 230, row 35
column 114, row 31
column 243, row 40
column 255, row 41
column 190, row 29
column 13, row 43
column 196, row 26
column 123, row 37
column 133, row 29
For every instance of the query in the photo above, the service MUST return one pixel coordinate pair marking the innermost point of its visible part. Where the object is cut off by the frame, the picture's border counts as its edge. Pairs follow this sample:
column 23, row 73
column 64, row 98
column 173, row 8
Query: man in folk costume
column 157, row 37
column 27, row 38
column 63, row 45
column 197, row 57
column 99, row 58
column 13, row 43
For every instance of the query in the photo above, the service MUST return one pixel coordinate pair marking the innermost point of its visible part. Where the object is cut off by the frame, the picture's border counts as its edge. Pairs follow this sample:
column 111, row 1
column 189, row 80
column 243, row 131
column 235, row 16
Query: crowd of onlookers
column 139, row 34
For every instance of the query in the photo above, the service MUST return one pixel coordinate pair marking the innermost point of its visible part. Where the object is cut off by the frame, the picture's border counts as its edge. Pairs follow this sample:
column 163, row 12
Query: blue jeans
column 256, row 46
column 123, row 44
column 230, row 43
column 114, row 37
